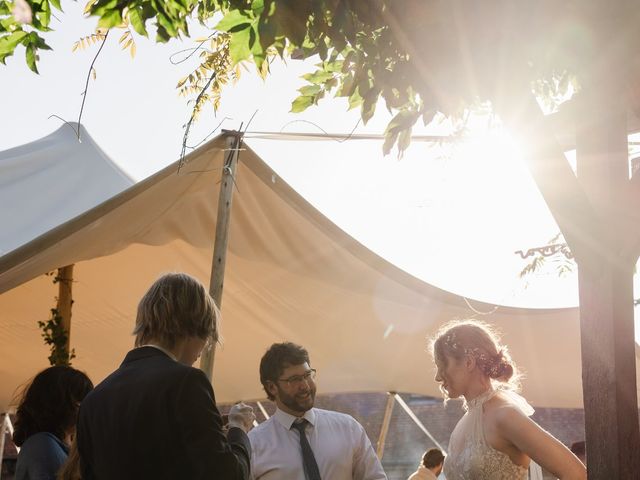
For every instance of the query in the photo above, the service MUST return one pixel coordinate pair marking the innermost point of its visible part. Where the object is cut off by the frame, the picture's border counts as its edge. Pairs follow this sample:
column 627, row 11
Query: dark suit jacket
column 155, row 418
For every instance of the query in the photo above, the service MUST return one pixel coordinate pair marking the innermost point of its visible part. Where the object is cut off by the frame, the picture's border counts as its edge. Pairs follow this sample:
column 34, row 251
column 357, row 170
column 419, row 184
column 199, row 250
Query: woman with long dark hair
column 46, row 420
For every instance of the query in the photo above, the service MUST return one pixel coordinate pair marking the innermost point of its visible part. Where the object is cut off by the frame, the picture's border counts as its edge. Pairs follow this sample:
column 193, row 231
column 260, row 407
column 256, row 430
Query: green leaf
column 403, row 141
column 169, row 26
column 56, row 3
column 402, row 120
column 235, row 20
column 8, row 42
column 41, row 44
column 110, row 19
column 334, row 66
column 428, row 115
column 390, row 138
column 239, row 48
column 369, row 105
column 44, row 16
column 257, row 6
column 322, row 49
column 255, row 47
column 266, row 33
column 8, row 24
column 309, row 90
column 32, row 57
column 161, row 35
column 292, row 16
column 137, row 22
column 355, row 100
column 301, row 103
column 319, row 76
column 347, row 88
column 100, row 8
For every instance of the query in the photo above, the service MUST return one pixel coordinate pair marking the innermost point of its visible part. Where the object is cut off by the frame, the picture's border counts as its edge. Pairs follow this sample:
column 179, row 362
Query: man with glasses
column 300, row 442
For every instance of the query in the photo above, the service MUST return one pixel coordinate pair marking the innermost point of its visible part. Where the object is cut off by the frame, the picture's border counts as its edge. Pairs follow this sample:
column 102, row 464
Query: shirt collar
column 286, row 420
column 163, row 350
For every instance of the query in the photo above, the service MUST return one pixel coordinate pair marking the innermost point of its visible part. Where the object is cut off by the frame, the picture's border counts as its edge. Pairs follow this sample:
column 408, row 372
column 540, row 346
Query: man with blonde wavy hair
column 156, row 416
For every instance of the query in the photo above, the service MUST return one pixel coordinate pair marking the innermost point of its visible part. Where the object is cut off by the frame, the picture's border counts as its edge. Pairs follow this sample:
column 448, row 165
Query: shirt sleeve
column 44, row 458
column 366, row 464
column 201, row 429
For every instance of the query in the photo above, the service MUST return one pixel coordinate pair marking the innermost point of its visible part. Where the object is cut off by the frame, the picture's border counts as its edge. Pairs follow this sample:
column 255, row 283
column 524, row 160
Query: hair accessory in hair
column 451, row 342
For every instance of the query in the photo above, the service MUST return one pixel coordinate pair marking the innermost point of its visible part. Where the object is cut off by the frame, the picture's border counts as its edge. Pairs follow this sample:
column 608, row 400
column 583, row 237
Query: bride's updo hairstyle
column 459, row 338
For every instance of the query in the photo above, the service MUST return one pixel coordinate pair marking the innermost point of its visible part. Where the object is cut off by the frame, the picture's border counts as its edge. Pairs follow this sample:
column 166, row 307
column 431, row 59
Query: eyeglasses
column 297, row 380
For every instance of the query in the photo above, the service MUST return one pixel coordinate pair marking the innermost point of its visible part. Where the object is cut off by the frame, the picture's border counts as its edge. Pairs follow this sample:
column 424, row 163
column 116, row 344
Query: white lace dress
column 470, row 457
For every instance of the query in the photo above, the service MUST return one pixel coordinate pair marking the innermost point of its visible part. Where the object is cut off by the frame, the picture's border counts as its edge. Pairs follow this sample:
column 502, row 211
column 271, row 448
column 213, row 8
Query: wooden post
column 65, row 302
column 606, row 285
column 3, row 434
column 590, row 211
column 216, row 283
column 386, row 420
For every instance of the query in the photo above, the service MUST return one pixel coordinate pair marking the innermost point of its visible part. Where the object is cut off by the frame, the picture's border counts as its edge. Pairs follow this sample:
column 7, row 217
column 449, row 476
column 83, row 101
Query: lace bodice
column 470, row 457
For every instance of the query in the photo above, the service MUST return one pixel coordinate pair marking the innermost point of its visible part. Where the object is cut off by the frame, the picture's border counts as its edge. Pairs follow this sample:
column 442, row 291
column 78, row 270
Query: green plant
column 54, row 334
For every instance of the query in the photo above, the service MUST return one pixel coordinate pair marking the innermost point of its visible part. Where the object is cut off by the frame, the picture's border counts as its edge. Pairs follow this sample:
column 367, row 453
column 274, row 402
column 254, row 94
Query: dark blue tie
column 311, row 471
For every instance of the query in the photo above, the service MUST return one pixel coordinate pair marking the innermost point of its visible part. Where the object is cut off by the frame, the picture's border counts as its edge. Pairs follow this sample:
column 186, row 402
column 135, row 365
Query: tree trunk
column 606, row 286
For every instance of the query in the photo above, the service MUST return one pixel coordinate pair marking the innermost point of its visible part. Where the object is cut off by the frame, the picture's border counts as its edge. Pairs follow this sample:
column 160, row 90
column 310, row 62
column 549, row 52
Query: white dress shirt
column 340, row 446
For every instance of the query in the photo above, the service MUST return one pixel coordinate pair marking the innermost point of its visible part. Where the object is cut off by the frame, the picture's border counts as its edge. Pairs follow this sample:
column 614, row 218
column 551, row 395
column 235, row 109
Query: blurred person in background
column 46, row 421
column 430, row 467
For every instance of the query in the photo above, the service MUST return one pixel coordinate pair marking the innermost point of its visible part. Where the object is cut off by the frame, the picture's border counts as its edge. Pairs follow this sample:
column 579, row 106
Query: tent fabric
column 290, row 275
column 44, row 184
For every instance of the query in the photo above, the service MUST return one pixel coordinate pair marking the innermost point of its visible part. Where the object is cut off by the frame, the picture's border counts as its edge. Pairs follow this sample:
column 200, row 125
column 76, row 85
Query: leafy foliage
column 89, row 40
column 54, row 335
column 420, row 57
column 14, row 32
column 556, row 258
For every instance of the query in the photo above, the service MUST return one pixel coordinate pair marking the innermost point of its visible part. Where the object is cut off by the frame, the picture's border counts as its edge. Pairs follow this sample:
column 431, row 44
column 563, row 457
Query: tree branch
column 555, row 179
column 86, row 85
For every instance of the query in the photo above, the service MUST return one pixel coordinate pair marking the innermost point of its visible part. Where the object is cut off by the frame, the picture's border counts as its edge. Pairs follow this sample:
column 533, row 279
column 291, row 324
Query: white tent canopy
column 291, row 275
column 51, row 180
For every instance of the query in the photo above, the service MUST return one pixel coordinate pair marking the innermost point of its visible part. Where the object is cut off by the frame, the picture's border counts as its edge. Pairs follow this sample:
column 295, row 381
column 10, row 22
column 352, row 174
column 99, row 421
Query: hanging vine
column 55, row 336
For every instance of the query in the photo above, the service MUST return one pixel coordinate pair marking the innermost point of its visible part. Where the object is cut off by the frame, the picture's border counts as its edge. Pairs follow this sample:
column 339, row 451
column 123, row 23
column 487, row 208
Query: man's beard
column 297, row 404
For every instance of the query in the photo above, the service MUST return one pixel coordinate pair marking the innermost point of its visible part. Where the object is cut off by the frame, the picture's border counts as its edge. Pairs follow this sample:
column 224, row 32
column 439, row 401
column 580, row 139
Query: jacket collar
column 146, row 351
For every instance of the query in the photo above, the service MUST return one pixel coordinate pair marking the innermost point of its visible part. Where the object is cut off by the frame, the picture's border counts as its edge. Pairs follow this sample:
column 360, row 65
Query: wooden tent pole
column 216, row 283
column 386, row 421
column 417, row 421
column 65, row 302
column 3, row 434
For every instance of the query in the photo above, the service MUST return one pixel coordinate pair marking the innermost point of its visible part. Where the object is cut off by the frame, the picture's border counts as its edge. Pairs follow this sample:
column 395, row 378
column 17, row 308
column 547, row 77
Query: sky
column 452, row 215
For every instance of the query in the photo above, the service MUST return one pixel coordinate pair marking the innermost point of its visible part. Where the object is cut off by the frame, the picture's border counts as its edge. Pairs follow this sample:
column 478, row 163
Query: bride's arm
column 528, row 437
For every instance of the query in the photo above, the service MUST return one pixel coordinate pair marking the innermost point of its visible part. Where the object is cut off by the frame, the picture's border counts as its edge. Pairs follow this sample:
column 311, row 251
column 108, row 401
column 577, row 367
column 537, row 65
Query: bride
column 495, row 439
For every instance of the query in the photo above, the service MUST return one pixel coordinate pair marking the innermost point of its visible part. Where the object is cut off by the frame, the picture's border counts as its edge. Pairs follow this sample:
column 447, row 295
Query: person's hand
column 241, row 416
